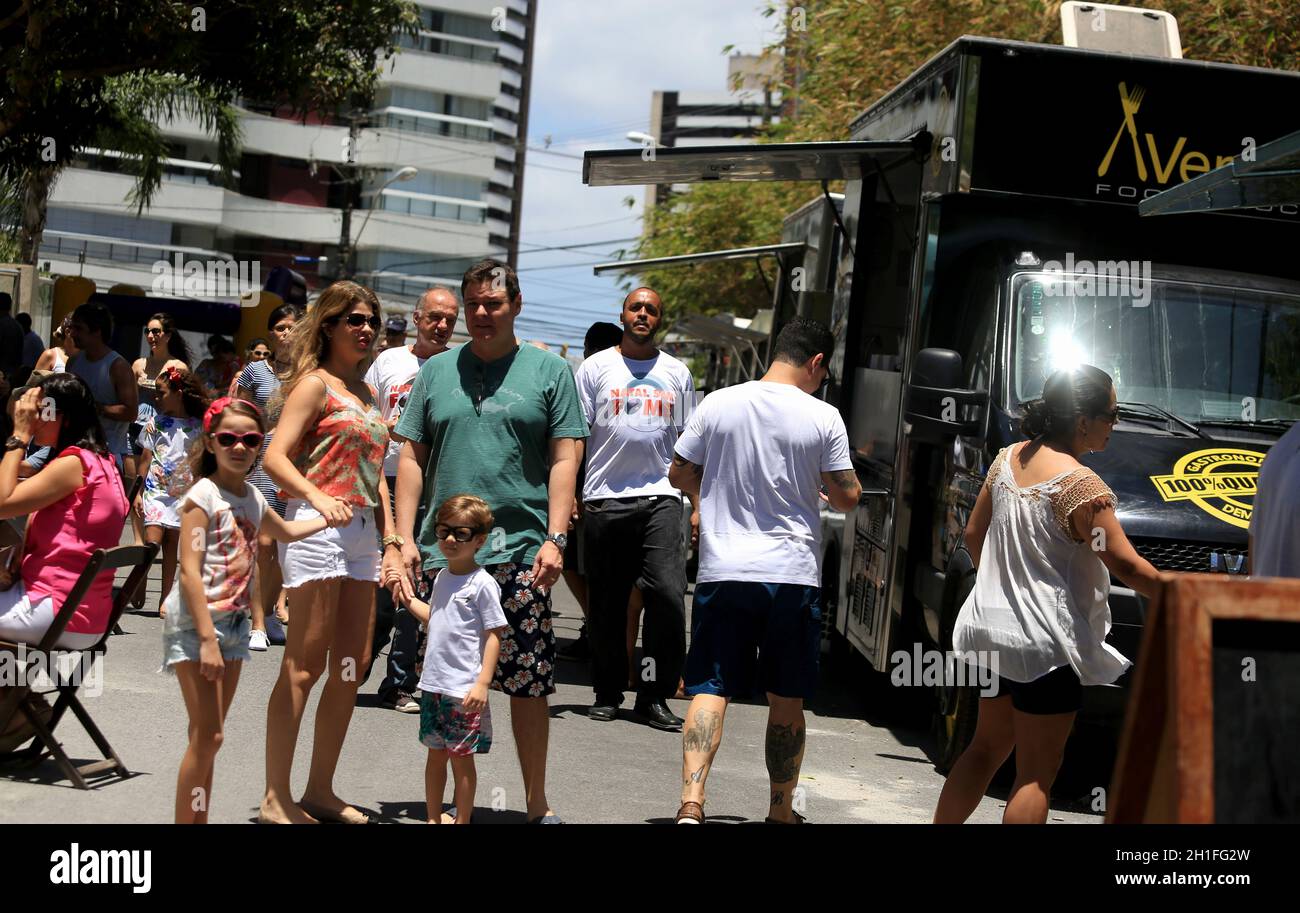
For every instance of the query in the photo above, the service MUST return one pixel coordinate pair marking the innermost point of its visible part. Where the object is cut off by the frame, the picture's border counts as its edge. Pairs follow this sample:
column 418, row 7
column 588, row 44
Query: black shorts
column 133, row 447
column 573, row 558
column 1059, row 691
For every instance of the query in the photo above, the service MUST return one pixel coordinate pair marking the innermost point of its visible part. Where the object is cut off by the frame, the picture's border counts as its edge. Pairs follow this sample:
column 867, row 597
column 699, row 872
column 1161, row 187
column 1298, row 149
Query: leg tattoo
column 699, row 737
column 783, row 747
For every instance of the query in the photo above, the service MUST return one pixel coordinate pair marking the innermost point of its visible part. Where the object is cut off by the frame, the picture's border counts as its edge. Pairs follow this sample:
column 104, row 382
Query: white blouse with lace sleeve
column 1040, row 596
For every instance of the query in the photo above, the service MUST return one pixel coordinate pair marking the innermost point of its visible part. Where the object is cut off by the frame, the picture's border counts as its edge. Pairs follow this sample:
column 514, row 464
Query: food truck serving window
column 1197, row 350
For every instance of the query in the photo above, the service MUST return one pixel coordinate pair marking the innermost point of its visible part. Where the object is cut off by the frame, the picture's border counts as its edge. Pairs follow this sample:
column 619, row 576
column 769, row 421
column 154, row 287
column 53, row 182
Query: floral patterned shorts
column 445, row 725
column 526, row 667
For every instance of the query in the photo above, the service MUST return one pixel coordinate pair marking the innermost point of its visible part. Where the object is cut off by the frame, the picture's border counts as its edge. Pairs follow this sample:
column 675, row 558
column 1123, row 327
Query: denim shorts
column 346, row 551
column 233, row 631
column 751, row 637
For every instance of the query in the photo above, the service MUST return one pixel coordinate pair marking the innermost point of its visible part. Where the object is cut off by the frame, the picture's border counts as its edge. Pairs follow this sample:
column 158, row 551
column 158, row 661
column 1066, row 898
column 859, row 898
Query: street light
column 644, row 139
column 403, row 174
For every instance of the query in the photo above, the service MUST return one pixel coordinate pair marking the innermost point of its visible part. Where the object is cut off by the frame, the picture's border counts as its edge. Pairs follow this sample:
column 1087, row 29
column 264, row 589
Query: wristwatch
column 17, row 443
column 393, row 539
column 560, row 539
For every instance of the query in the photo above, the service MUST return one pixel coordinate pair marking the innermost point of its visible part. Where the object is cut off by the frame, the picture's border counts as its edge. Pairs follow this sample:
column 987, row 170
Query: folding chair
column 130, row 501
column 21, row 700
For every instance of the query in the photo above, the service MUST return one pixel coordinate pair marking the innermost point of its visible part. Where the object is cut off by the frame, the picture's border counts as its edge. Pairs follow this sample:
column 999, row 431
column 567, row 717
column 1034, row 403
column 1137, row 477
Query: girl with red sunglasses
column 206, row 635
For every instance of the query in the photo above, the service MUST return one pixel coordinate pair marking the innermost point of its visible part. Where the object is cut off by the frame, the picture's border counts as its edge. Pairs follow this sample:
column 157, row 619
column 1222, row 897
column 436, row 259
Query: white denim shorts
column 345, row 551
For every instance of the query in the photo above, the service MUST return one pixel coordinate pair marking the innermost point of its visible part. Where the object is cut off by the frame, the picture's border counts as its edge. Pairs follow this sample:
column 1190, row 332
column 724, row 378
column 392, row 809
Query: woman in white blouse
column 1045, row 539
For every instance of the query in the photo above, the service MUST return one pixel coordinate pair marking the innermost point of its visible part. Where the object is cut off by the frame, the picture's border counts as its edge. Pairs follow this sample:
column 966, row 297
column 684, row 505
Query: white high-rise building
column 434, row 173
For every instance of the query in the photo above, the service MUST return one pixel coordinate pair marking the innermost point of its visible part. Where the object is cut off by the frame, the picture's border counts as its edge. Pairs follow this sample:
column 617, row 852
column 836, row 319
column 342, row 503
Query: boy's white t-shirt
column 763, row 446
column 636, row 408
column 229, row 551
column 462, row 608
column 391, row 374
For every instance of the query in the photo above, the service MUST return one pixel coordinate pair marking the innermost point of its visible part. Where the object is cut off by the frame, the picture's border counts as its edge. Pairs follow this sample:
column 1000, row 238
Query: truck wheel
column 957, row 708
column 954, row 729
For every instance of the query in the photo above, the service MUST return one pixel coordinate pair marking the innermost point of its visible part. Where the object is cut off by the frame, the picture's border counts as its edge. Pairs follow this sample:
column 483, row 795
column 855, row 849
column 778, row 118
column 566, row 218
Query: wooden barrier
column 1212, row 732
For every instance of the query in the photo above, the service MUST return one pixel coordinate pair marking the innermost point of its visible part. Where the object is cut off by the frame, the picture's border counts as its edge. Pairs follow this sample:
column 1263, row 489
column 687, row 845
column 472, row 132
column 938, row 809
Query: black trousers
column 635, row 542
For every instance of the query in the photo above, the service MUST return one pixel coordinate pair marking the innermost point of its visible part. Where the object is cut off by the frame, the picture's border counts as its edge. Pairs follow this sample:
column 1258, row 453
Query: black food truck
column 989, row 234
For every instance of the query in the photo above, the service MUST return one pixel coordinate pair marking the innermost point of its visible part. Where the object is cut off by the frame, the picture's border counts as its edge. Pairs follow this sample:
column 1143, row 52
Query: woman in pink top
column 76, row 504
column 326, row 456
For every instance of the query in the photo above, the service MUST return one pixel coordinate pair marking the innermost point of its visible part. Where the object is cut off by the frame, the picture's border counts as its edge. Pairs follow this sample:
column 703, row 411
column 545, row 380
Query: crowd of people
column 432, row 497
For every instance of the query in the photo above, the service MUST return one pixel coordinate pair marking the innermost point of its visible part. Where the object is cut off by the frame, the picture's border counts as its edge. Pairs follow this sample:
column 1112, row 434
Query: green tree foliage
column 851, row 52
column 83, row 73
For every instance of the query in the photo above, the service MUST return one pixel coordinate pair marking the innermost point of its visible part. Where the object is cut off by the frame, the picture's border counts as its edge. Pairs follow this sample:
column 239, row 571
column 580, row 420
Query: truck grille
column 1175, row 555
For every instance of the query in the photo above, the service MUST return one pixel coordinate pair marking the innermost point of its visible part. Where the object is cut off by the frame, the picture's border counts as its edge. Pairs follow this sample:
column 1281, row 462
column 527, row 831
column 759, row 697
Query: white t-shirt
column 462, row 608
column 391, row 374
column 1275, row 523
column 763, row 446
column 636, row 409
column 229, row 551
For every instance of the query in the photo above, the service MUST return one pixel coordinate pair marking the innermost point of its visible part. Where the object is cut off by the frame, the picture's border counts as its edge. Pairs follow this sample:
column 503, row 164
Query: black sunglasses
column 459, row 533
column 356, row 321
column 252, row 440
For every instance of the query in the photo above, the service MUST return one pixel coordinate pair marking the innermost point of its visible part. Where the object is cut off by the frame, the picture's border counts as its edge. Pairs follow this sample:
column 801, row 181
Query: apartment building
column 734, row 115
column 430, row 176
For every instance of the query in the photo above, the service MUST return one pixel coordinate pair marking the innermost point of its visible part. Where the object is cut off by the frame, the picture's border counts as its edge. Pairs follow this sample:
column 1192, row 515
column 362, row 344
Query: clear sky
column 595, row 67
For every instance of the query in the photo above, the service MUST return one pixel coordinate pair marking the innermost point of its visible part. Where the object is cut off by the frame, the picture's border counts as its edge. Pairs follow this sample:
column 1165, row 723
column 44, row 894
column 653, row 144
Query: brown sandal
column 690, row 811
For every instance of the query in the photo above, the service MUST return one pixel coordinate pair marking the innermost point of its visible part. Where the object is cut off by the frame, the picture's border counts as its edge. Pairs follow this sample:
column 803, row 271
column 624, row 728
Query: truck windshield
column 1204, row 352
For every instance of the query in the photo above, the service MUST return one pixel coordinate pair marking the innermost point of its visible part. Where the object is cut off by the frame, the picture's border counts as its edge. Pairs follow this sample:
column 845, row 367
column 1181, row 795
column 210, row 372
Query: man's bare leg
column 530, row 720
column 784, row 751
column 700, row 741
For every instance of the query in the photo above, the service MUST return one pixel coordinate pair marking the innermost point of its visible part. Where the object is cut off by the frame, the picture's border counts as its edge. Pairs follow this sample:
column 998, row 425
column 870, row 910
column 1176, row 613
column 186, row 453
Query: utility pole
column 347, row 256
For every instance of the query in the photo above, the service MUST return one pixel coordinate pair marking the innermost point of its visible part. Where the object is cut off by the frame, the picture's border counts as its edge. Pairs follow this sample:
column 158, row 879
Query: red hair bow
column 219, row 405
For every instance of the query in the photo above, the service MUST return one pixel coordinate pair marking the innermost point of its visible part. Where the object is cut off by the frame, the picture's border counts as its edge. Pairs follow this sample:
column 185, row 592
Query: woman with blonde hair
column 326, row 456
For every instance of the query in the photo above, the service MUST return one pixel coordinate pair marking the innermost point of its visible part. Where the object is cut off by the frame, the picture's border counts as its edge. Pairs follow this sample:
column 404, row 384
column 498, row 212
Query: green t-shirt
column 488, row 426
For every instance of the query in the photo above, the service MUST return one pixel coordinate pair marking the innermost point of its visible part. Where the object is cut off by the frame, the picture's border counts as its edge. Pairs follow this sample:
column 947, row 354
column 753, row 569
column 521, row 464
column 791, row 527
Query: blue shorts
column 233, row 632
column 752, row 637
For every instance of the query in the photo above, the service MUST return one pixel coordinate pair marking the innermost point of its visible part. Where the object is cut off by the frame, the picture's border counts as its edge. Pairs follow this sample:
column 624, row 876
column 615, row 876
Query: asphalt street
column 614, row 772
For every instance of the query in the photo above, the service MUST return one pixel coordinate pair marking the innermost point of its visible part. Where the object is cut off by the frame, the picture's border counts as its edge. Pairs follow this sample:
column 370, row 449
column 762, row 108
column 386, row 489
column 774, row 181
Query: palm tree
column 135, row 104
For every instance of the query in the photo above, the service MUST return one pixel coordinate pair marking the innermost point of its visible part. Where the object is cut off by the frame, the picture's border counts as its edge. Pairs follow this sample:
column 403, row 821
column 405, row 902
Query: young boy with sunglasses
column 465, row 623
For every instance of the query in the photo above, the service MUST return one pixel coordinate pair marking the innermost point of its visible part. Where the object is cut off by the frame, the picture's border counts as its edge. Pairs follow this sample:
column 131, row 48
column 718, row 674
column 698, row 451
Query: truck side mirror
column 937, row 407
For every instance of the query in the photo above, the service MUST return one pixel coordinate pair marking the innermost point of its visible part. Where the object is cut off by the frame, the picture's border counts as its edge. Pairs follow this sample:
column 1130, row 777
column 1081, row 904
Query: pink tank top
column 61, row 536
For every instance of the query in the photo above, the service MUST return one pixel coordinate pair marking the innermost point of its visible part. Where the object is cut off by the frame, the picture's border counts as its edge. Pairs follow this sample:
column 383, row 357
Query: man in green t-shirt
column 497, row 420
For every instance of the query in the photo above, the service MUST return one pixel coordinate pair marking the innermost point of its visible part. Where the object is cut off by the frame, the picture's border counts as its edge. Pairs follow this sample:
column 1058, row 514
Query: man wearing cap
column 392, row 373
column 395, row 333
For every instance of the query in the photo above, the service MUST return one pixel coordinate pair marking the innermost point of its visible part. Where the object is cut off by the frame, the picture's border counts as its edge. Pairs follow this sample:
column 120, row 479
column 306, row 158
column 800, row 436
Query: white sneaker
column 258, row 642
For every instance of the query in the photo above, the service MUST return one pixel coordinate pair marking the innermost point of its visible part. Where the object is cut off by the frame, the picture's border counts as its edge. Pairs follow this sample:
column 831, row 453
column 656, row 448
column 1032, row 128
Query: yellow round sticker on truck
column 1221, row 482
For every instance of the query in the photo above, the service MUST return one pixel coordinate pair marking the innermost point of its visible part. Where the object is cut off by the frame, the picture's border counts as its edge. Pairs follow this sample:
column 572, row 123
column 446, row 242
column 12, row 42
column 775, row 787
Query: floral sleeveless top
column 344, row 453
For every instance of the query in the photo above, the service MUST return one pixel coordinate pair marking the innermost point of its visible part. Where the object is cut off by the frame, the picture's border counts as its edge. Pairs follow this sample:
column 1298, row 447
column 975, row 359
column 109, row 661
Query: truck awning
column 1271, row 179
column 735, row 253
column 847, row 161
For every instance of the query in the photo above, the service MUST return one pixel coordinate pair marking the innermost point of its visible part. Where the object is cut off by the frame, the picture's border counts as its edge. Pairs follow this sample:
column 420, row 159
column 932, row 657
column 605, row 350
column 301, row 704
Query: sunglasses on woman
column 459, row 533
column 252, row 440
column 153, row 332
column 356, row 321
